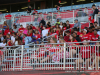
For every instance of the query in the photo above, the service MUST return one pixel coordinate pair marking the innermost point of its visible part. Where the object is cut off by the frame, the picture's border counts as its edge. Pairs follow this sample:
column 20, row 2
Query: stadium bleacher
column 17, row 57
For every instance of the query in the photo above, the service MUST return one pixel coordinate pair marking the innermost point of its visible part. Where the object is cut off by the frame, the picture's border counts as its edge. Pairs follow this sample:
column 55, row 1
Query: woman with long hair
column 18, row 41
column 4, row 26
column 58, row 29
column 52, row 50
column 60, row 54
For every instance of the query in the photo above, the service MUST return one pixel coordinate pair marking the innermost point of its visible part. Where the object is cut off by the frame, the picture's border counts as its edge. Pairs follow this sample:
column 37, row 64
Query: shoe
column 89, row 68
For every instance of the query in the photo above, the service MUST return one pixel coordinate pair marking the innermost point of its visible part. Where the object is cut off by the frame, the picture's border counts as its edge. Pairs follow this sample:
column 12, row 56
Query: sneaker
column 89, row 68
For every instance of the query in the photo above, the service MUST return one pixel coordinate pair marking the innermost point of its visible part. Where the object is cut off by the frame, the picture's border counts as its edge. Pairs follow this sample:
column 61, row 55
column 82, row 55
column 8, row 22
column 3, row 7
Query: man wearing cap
column 77, row 24
column 35, row 12
column 58, row 5
column 84, row 36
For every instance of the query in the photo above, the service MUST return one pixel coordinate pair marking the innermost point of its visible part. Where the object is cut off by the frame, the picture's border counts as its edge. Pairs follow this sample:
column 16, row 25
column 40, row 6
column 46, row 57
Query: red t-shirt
column 71, row 44
column 86, row 52
column 90, row 35
column 37, row 36
column 6, row 32
column 64, row 28
column 33, row 27
column 21, row 30
column 66, row 38
column 95, row 38
column 79, row 33
column 1, row 52
column 8, row 16
column 30, row 34
column 84, row 37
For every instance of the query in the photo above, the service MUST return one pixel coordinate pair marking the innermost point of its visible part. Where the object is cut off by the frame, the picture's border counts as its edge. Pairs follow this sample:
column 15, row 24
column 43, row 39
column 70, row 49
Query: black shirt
column 95, row 12
column 58, row 4
column 29, row 10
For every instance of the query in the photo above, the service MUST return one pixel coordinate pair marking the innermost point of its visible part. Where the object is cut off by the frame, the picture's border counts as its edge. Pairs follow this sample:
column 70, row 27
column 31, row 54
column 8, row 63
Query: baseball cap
column 84, row 30
column 76, row 20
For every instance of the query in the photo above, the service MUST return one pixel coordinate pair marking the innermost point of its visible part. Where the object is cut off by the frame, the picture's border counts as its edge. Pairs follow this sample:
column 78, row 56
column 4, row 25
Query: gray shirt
column 15, row 30
column 77, row 24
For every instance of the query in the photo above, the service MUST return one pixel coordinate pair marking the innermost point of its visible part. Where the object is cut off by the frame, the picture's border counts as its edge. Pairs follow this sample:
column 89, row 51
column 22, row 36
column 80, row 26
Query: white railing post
column 52, row 18
column 31, row 18
column 73, row 16
column 64, row 56
column 14, row 59
column 22, row 58
column 95, row 17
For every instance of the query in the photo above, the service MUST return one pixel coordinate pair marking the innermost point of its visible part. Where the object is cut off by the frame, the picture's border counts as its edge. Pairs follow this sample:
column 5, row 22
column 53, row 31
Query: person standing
column 29, row 10
column 95, row 10
column 58, row 6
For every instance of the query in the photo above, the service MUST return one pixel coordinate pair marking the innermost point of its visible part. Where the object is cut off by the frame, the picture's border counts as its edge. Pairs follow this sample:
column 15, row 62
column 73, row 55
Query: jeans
column 28, row 39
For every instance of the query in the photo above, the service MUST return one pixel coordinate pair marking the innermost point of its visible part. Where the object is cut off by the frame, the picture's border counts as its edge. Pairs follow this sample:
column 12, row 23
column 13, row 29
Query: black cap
column 76, row 20
column 67, row 21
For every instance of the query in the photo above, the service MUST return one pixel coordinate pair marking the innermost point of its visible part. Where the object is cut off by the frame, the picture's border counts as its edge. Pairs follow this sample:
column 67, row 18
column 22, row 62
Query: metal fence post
column 22, row 58
column 52, row 18
column 14, row 59
column 31, row 18
column 64, row 56
column 73, row 16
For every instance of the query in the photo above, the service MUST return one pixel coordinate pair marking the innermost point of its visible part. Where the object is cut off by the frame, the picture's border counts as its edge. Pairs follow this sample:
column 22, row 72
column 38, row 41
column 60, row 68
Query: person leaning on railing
column 96, row 57
column 85, row 55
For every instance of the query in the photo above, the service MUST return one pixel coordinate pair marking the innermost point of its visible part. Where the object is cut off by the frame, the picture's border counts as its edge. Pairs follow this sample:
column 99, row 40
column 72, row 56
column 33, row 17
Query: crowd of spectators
column 23, row 36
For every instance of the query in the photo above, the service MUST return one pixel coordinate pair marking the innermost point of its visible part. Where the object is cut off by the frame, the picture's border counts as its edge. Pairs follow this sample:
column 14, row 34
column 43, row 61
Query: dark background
column 15, row 5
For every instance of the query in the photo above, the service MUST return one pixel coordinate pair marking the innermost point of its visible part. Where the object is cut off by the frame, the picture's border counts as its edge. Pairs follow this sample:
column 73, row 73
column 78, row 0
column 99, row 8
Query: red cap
column 59, row 1
column 34, row 9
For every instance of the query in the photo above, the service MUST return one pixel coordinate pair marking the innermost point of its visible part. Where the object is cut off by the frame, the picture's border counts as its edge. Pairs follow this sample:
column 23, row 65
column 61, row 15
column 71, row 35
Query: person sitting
column 77, row 24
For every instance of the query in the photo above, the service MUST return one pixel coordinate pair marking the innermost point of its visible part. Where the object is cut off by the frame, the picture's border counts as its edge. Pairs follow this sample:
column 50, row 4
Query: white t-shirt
column 61, row 26
column 44, row 32
column 13, row 38
column 2, row 44
column 98, row 33
column 86, row 11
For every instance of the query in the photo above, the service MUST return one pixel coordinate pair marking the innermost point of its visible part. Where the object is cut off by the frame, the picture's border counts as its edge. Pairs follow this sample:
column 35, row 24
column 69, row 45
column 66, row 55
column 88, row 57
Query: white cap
column 85, row 30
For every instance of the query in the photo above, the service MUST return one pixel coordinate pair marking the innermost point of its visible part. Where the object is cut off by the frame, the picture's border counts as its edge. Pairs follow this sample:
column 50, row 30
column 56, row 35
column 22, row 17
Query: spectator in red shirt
column 66, row 38
column 71, row 42
column 84, row 36
column 6, row 31
column 11, row 32
column 64, row 26
column 96, row 50
column 20, row 30
column 33, row 27
column 58, row 29
column 84, row 54
column 90, row 33
column 95, row 36
column 8, row 16
column 35, row 12
column 76, row 37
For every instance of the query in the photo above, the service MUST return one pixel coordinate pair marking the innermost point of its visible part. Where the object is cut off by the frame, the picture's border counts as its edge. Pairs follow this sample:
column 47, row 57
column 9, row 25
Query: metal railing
column 56, row 56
